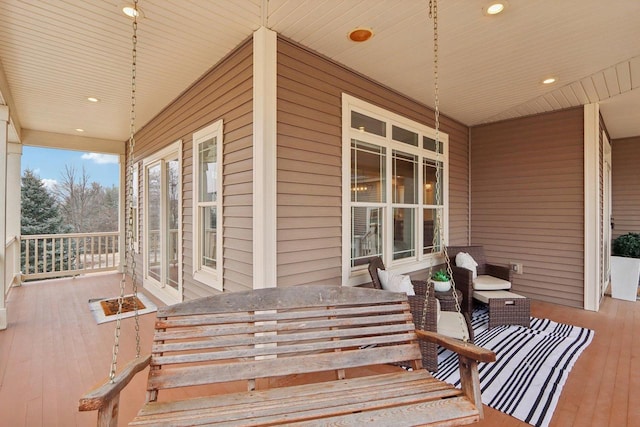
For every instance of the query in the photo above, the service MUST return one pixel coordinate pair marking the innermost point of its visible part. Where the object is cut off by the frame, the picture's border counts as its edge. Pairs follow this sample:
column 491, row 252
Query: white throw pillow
column 465, row 260
column 394, row 282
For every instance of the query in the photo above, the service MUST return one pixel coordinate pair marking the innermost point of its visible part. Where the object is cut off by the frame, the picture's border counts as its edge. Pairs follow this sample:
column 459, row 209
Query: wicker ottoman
column 505, row 308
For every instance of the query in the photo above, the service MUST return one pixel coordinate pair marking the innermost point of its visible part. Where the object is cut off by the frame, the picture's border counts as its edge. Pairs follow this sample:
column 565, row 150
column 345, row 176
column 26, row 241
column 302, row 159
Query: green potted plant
column 625, row 267
column 627, row 245
column 441, row 281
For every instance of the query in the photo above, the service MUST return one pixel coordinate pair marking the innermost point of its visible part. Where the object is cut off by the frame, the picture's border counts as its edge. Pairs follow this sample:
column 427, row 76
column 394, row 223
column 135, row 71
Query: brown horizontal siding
column 527, row 198
column 625, row 177
column 309, row 131
column 225, row 92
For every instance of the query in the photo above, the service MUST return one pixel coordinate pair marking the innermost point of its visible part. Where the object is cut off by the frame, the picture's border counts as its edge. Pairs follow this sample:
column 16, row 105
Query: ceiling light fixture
column 495, row 7
column 79, row 130
column 549, row 81
column 360, row 35
column 131, row 11
column 92, row 99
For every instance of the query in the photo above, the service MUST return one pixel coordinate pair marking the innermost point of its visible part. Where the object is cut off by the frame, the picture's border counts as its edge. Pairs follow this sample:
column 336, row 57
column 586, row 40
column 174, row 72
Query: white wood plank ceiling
column 56, row 53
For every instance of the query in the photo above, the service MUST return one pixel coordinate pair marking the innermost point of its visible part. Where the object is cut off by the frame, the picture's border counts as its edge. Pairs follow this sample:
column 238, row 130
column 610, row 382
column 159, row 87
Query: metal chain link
column 129, row 258
column 438, row 235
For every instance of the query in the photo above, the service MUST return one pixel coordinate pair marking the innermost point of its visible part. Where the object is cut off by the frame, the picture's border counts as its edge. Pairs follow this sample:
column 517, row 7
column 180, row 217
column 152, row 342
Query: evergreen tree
column 40, row 215
column 39, row 210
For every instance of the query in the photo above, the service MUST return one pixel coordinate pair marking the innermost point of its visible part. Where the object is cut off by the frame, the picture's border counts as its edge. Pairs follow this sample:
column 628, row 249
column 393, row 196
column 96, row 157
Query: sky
column 49, row 163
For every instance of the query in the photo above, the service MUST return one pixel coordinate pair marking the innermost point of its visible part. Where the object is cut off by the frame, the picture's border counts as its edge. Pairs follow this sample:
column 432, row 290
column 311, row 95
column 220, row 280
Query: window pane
column 403, row 135
column 154, row 205
column 366, row 234
column 405, row 178
column 367, row 172
column 368, row 124
column 208, row 171
column 208, row 232
column 134, row 204
column 173, row 212
column 429, row 227
column 430, row 180
column 430, row 144
column 403, row 233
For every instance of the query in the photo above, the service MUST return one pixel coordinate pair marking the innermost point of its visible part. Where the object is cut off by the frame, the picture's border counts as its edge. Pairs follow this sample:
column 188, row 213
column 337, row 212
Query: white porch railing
column 59, row 255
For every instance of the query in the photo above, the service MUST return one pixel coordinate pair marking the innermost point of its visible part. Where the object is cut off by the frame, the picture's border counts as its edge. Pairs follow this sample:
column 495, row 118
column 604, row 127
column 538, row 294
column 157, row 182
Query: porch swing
column 269, row 338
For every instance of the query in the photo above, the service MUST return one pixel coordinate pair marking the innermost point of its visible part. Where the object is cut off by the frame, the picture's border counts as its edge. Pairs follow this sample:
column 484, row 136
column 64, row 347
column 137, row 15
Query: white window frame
column 359, row 274
column 207, row 275
column 166, row 293
column 135, row 190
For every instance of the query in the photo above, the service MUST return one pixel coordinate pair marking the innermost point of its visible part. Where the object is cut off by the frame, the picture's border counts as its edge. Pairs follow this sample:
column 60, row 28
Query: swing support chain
column 129, row 258
column 438, row 235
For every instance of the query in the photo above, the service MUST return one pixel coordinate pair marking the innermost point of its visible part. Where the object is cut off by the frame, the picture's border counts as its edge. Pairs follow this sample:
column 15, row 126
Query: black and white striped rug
column 531, row 368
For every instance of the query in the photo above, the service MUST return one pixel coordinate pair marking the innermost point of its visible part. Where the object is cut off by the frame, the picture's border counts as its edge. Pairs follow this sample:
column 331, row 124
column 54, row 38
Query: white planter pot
column 441, row 286
column 625, row 273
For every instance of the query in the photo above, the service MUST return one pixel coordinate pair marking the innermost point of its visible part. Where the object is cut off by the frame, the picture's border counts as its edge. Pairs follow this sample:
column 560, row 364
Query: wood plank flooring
column 53, row 351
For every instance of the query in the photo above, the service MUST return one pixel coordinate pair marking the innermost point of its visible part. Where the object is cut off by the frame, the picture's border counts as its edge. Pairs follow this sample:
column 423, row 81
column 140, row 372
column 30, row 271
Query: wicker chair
column 419, row 286
column 427, row 321
column 464, row 278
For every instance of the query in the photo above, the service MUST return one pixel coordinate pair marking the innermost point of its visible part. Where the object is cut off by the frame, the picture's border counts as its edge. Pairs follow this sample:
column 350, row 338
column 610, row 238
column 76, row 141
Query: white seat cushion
column 489, row 283
column 485, row 296
column 394, row 282
column 452, row 324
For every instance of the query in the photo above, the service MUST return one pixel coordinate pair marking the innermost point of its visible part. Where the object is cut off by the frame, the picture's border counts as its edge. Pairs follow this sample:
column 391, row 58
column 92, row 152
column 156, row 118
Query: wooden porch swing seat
column 276, row 332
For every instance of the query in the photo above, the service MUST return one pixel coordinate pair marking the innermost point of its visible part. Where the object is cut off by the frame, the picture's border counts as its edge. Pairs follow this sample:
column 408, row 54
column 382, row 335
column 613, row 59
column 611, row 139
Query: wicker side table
column 447, row 300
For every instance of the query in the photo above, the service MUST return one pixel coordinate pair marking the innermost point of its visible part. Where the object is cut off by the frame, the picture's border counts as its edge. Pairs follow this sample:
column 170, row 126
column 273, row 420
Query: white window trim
column 206, row 275
column 165, row 293
column 135, row 188
column 421, row 261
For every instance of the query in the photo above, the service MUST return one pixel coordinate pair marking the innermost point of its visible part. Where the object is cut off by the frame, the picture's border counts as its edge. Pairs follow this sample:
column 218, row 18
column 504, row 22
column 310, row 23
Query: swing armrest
column 468, row 357
column 100, row 396
column 468, row 350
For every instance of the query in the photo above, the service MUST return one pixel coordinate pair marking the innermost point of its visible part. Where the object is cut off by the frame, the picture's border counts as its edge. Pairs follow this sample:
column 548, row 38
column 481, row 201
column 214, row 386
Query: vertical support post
column 592, row 218
column 264, row 158
column 14, row 158
column 470, row 382
column 108, row 415
column 4, row 286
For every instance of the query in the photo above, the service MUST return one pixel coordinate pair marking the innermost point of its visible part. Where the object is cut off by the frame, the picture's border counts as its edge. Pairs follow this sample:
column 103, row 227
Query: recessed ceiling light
column 549, row 81
column 132, row 11
column 360, row 34
column 92, row 99
column 495, row 7
column 79, row 130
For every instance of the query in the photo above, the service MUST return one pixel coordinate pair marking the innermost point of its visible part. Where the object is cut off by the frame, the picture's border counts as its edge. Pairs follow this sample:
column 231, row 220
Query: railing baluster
column 53, row 253
column 100, row 252
column 61, row 249
column 70, row 254
column 26, row 267
column 36, row 259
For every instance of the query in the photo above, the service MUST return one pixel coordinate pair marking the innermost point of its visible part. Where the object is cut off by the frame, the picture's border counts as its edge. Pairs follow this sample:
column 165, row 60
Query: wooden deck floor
column 53, row 351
